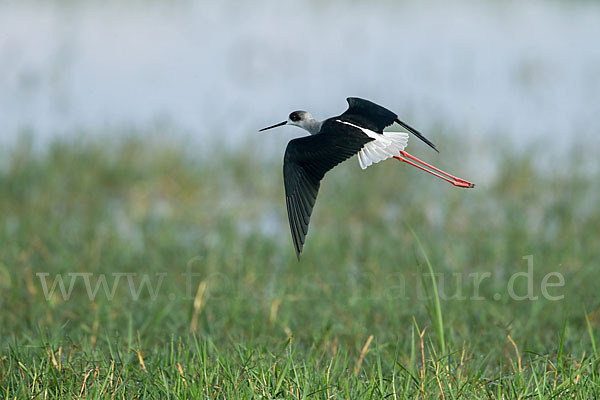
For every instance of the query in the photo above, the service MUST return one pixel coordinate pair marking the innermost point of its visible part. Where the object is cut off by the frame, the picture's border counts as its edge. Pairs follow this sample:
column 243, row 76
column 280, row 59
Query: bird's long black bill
column 273, row 126
column 417, row 134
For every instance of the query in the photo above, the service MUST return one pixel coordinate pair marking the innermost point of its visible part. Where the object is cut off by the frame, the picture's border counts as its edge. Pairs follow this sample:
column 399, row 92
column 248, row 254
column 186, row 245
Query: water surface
column 529, row 71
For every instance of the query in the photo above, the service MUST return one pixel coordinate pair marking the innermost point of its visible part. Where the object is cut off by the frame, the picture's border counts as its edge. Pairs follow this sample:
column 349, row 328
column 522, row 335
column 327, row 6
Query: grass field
column 180, row 279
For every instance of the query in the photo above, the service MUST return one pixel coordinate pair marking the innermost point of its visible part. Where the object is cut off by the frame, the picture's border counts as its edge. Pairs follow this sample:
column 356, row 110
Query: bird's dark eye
column 294, row 117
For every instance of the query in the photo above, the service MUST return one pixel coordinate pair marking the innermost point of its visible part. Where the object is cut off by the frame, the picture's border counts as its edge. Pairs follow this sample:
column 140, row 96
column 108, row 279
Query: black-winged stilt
column 359, row 130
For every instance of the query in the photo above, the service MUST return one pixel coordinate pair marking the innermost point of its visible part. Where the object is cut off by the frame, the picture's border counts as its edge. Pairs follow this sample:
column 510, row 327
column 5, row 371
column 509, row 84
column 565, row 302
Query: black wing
column 306, row 161
column 372, row 116
column 368, row 114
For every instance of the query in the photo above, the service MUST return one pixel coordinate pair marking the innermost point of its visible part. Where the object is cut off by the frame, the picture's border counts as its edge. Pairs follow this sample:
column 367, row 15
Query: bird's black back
column 372, row 116
column 367, row 114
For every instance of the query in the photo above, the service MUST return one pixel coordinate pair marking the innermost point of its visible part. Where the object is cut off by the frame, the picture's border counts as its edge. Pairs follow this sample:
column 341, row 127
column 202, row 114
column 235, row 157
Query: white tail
column 384, row 146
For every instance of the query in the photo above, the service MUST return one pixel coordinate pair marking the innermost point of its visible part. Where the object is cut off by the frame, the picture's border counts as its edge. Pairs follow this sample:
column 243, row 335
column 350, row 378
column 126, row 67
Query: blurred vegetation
column 251, row 320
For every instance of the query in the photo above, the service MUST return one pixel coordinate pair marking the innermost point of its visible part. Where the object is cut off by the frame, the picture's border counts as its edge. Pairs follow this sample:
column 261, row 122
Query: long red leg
column 448, row 178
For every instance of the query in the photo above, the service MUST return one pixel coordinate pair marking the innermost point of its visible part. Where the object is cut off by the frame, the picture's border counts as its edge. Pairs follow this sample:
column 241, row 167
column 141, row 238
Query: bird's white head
column 302, row 119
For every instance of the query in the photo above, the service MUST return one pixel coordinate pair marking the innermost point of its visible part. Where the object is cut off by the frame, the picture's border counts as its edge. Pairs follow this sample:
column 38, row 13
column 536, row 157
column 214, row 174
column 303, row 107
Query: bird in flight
column 359, row 130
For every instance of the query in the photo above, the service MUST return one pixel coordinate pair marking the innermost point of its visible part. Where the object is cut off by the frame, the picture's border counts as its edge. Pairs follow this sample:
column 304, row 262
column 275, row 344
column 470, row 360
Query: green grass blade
column 438, row 320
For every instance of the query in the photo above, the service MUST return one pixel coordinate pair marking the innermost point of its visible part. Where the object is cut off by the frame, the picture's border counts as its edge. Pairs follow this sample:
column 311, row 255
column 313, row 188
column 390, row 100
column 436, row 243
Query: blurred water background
column 526, row 71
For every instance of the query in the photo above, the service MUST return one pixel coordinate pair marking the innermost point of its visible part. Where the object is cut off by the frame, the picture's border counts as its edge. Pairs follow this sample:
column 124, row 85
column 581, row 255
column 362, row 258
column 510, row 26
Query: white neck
column 312, row 126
